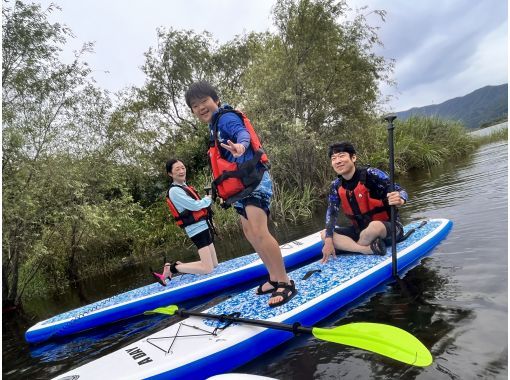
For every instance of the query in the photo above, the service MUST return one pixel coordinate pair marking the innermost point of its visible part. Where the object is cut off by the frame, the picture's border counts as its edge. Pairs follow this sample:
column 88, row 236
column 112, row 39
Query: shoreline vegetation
column 83, row 170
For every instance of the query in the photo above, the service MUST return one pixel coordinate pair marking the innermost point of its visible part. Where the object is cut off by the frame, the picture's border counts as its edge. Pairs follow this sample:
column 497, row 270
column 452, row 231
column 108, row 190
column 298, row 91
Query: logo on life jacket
column 234, row 181
column 187, row 217
column 359, row 207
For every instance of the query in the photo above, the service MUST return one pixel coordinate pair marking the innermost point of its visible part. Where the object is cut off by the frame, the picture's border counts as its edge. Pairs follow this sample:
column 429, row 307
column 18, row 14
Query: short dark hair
column 199, row 90
column 170, row 164
column 340, row 147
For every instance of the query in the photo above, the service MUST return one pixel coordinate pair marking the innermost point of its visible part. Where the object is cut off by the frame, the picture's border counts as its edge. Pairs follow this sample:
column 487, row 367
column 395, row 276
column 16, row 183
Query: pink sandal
column 158, row 277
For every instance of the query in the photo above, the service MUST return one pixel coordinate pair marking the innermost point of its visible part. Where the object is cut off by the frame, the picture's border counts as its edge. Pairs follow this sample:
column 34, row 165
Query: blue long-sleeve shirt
column 182, row 201
column 231, row 127
column 377, row 182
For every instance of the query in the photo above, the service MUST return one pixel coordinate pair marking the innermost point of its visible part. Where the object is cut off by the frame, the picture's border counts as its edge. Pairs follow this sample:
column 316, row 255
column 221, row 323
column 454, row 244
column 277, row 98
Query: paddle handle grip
column 390, row 128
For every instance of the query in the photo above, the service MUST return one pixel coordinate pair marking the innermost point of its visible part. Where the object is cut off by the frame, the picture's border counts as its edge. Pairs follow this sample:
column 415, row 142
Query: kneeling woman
column 191, row 213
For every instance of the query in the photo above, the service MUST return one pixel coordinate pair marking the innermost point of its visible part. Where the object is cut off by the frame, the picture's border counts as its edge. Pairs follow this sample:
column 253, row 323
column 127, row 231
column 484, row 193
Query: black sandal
column 378, row 247
column 288, row 292
column 274, row 284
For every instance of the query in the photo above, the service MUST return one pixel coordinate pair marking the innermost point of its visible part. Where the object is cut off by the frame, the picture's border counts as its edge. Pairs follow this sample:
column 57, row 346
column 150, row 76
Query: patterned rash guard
column 377, row 182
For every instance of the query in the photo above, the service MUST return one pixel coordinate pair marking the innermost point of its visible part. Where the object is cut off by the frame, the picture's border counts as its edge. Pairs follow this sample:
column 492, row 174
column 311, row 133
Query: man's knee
column 256, row 229
column 377, row 226
column 247, row 231
column 258, row 233
column 374, row 229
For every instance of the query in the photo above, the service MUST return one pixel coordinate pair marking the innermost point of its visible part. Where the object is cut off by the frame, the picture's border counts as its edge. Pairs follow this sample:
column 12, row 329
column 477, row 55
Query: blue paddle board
column 179, row 289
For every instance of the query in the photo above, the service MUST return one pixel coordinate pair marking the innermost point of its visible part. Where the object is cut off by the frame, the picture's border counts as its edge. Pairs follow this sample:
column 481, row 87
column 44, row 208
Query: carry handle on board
column 386, row 340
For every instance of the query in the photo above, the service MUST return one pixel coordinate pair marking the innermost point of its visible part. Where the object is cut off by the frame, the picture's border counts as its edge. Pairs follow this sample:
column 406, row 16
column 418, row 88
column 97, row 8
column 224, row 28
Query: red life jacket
column 233, row 181
column 187, row 217
column 359, row 207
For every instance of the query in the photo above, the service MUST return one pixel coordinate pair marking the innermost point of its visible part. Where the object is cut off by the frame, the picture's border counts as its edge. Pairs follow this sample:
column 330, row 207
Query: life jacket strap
column 247, row 172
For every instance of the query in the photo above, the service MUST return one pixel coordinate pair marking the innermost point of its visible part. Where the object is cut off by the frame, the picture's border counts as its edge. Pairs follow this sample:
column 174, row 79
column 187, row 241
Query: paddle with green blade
column 382, row 339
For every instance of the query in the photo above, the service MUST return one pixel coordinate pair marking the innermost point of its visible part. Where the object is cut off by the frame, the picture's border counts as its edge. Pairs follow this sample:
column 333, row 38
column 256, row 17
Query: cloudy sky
column 442, row 48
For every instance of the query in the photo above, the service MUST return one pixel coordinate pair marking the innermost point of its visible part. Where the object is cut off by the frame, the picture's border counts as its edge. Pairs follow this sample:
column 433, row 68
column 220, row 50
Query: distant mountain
column 482, row 106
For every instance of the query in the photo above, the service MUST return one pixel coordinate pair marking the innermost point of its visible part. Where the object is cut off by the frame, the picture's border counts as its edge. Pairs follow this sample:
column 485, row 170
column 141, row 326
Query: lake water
column 459, row 309
column 487, row 131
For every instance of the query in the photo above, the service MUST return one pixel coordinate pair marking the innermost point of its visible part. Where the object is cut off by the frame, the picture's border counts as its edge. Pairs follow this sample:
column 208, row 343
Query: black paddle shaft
column 295, row 328
column 390, row 128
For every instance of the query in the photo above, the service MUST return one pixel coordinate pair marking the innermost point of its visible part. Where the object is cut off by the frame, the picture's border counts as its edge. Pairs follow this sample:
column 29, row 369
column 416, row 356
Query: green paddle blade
column 383, row 339
column 168, row 310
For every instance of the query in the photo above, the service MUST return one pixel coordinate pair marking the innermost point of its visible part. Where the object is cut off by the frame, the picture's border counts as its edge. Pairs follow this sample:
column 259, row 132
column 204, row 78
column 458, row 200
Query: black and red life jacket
column 187, row 217
column 359, row 206
column 233, row 181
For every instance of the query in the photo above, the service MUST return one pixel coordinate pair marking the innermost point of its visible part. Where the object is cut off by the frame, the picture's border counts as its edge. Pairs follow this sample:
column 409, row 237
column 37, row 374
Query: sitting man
column 363, row 193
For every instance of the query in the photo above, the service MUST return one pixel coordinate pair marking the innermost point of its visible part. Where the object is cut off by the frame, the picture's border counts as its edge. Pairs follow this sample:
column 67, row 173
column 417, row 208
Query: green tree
column 320, row 83
column 179, row 59
column 28, row 40
column 52, row 117
column 313, row 81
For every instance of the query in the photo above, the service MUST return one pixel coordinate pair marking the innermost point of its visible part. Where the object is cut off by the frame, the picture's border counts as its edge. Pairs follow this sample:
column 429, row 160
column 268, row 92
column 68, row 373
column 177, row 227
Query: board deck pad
column 320, row 278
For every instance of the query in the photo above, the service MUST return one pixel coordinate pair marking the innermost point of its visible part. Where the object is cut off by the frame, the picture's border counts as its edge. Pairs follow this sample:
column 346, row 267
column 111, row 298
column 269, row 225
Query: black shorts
column 202, row 239
column 240, row 206
column 353, row 232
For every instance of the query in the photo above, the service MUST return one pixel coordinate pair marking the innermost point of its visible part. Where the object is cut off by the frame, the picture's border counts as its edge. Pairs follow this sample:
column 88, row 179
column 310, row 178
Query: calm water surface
column 457, row 306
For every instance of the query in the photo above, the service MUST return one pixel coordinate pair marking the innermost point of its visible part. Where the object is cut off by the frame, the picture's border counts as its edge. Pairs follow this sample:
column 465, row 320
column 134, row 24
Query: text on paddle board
column 136, row 354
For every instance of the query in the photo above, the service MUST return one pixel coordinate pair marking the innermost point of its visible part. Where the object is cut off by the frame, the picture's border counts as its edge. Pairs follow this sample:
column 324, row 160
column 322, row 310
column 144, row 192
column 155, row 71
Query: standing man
column 235, row 148
column 363, row 194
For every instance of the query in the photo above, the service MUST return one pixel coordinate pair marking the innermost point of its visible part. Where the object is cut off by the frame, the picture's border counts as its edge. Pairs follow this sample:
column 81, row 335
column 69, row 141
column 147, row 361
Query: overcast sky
column 442, row 48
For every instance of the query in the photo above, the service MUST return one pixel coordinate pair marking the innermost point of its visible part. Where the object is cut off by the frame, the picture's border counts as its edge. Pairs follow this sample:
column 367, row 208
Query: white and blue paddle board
column 179, row 289
column 195, row 348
